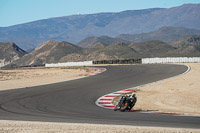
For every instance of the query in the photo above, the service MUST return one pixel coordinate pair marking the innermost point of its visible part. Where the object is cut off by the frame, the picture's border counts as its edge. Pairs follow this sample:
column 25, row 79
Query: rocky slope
column 188, row 45
column 49, row 52
column 10, row 52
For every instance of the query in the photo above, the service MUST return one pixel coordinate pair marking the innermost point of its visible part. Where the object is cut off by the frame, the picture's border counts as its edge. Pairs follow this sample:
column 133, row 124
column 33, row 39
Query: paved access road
column 74, row 101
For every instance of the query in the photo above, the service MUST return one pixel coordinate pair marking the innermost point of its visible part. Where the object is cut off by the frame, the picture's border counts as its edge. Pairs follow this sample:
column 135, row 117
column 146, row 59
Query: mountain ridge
column 75, row 28
column 166, row 34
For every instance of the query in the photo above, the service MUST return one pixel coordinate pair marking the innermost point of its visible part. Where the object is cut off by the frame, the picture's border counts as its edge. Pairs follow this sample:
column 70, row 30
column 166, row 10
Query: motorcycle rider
column 131, row 100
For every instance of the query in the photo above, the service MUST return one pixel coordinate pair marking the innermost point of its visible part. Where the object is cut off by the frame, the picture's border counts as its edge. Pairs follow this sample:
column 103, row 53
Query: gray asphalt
column 74, row 101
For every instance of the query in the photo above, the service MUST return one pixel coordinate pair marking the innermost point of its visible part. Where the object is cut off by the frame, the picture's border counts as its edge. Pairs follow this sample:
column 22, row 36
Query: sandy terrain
column 26, row 77
column 45, row 127
column 176, row 95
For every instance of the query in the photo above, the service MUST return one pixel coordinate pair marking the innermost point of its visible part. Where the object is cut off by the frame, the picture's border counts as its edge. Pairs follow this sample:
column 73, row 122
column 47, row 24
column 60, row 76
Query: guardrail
column 171, row 60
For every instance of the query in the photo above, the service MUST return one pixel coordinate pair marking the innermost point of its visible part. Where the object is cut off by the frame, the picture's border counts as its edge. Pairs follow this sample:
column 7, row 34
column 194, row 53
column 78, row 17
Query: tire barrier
column 127, row 61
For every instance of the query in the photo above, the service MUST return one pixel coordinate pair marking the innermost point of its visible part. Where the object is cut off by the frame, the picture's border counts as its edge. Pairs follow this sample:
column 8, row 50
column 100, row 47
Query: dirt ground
column 46, row 127
column 27, row 77
column 176, row 95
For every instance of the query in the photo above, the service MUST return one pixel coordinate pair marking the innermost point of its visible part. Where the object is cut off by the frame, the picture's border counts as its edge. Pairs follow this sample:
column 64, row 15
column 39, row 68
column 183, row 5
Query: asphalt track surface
column 74, row 101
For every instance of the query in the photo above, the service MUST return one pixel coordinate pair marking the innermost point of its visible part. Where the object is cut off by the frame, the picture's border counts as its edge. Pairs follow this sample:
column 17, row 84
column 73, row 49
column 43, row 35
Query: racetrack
column 74, row 101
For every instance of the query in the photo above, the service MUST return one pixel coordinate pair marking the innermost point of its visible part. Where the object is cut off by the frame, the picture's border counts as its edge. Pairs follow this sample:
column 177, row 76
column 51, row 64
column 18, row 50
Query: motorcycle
column 126, row 103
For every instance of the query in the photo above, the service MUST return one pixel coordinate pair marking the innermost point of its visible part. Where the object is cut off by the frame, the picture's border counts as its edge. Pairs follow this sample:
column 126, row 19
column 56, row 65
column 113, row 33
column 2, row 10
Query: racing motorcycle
column 126, row 103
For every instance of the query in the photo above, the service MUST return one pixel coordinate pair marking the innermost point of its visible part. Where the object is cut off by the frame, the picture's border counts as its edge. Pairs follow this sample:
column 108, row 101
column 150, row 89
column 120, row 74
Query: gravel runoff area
column 177, row 89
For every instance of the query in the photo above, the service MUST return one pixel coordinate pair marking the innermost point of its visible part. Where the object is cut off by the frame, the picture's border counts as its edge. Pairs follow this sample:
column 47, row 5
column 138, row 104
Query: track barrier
column 69, row 64
column 171, row 60
column 130, row 61
column 126, row 61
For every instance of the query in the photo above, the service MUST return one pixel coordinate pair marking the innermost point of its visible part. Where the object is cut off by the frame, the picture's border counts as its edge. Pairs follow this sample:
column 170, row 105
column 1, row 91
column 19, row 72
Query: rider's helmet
column 132, row 95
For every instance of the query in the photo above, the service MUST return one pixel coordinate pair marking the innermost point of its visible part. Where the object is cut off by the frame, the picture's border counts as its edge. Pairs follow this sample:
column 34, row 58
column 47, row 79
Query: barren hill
column 188, row 45
column 10, row 52
column 89, row 41
column 48, row 52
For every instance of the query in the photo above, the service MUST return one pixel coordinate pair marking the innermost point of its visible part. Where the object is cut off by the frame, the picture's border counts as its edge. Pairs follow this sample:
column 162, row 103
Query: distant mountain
column 152, row 48
column 54, row 52
column 89, row 41
column 165, row 34
column 10, row 52
column 187, row 46
column 186, row 41
column 77, row 27
column 115, row 51
column 98, row 45
column 136, row 50
column 48, row 52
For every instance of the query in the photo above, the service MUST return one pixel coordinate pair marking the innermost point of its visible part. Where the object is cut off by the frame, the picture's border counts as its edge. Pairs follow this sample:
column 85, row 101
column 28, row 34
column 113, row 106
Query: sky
column 14, row 12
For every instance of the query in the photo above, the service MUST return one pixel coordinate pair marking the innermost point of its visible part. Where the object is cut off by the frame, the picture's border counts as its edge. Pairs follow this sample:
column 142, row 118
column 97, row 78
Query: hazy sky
column 14, row 12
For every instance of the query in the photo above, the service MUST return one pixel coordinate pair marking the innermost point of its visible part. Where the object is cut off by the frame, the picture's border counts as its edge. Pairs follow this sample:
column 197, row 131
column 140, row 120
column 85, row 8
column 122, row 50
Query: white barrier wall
column 2, row 64
column 171, row 60
column 69, row 64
